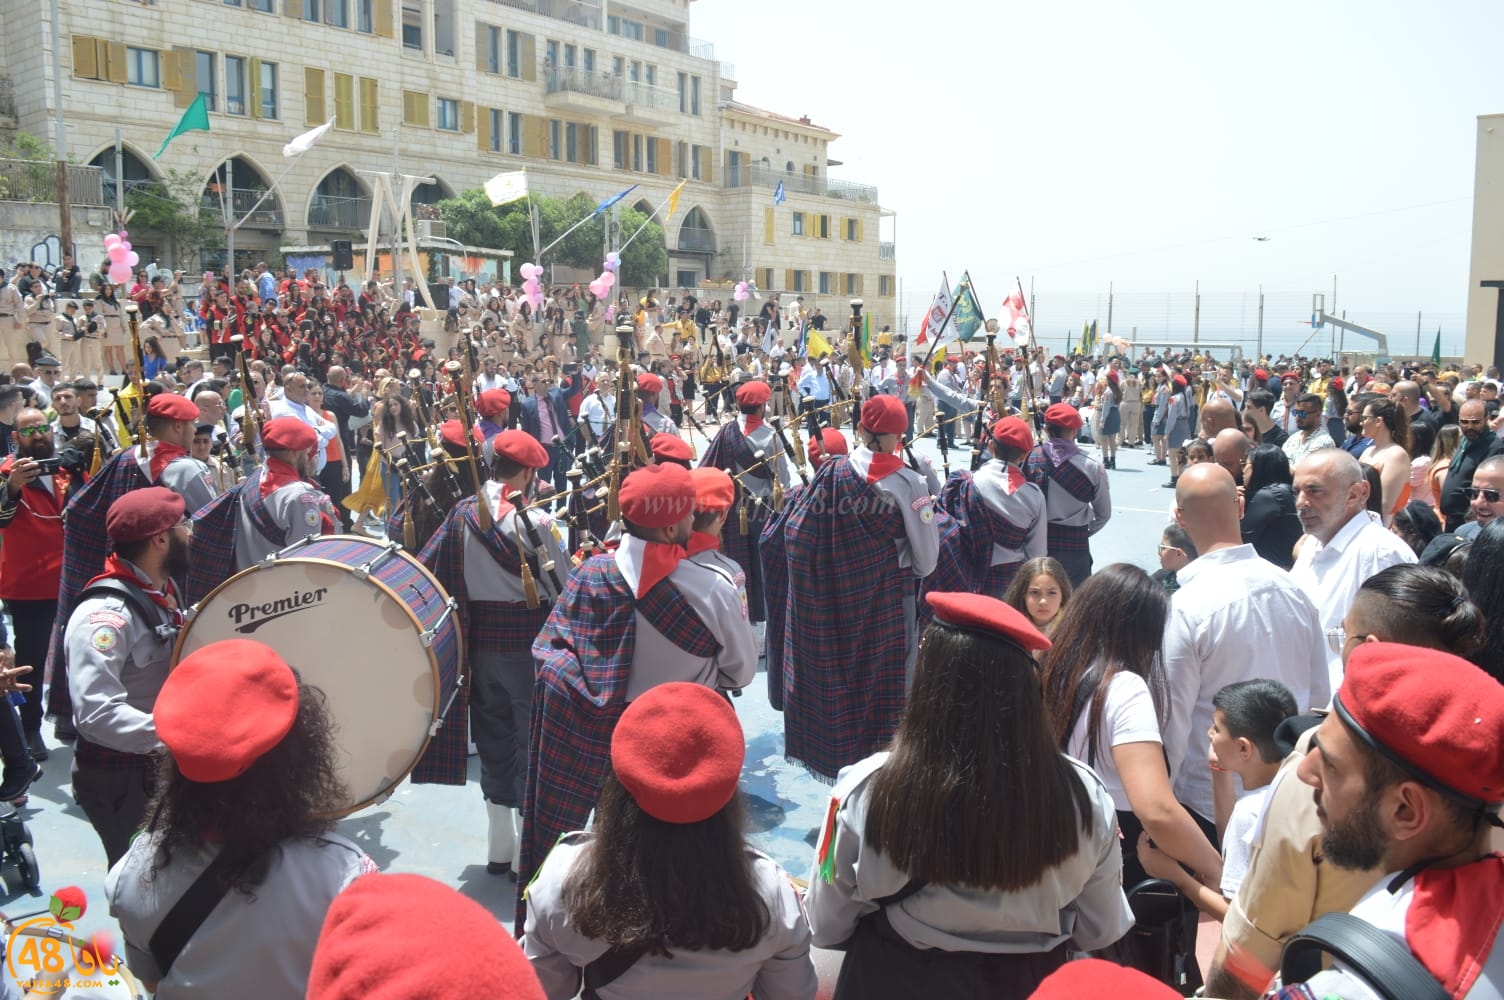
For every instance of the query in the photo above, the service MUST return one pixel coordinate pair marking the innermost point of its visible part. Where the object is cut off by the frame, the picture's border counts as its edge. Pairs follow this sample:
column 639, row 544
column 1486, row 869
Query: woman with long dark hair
column 1107, row 697
column 1109, row 417
column 664, row 896
column 1485, row 585
column 1387, row 425
column 1270, row 523
column 965, row 860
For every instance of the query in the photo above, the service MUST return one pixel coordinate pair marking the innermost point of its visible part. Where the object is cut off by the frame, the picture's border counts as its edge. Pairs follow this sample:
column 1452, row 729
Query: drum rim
column 31, row 930
column 439, row 703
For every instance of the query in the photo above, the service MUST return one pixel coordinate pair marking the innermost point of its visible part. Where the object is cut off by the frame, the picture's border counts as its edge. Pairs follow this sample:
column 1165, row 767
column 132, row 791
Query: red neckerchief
column 702, row 542
column 1453, row 919
column 753, row 422
column 278, row 474
column 882, row 466
column 162, row 453
column 658, row 561
column 116, row 568
column 1016, row 478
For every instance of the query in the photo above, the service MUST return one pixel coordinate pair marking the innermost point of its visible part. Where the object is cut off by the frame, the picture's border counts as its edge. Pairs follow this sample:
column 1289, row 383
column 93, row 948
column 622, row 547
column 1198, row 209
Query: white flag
column 505, row 188
column 938, row 311
column 304, row 142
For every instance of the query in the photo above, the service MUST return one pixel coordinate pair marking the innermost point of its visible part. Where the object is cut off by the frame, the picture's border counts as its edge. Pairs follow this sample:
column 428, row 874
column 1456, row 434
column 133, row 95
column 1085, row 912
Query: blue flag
column 614, row 199
column 803, row 342
column 778, row 196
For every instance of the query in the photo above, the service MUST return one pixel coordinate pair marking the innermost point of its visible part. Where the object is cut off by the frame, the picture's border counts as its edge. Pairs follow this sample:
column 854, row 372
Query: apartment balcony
column 886, row 251
column 767, row 178
column 696, row 240
column 648, row 106
column 583, row 13
column 267, row 214
column 575, row 90
column 36, row 181
column 333, row 212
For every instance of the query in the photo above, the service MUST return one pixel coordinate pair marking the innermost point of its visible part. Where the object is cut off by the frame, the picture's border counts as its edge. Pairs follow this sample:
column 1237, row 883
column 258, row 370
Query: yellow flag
column 673, row 202
column 817, row 346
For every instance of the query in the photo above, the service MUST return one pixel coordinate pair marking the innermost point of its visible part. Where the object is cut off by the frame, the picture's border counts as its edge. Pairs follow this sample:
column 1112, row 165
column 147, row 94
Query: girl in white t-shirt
column 1105, row 689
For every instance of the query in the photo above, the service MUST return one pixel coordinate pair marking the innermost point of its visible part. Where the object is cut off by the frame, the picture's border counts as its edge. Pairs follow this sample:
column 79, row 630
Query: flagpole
column 651, row 216
column 539, row 258
column 1028, row 400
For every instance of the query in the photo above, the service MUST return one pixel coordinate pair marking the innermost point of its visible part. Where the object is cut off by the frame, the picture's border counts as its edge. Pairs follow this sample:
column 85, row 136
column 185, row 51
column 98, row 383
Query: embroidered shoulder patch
column 104, row 638
column 111, row 618
column 310, row 497
column 312, row 517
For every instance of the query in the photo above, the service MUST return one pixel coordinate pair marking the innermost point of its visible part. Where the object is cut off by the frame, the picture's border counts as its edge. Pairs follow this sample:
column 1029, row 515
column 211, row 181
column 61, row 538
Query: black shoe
column 17, row 778
column 501, row 868
column 38, row 746
column 63, row 731
column 1171, row 484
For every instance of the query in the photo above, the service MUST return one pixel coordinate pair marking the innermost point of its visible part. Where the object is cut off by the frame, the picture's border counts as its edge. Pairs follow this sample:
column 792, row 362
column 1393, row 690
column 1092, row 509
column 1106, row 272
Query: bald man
column 1230, row 450
column 1346, row 543
column 1229, row 603
column 1217, row 415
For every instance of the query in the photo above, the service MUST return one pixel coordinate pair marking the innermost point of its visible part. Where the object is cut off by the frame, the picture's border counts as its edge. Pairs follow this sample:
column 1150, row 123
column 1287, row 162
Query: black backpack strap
column 144, row 609
column 1382, row 962
column 188, row 915
column 1084, row 692
column 910, row 887
column 607, row 969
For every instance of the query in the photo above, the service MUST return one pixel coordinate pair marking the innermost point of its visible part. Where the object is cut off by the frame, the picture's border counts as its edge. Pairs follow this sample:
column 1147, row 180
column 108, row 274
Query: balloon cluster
column 601, row 286
column 532, row 289
column 740, row 293
column 122, row 257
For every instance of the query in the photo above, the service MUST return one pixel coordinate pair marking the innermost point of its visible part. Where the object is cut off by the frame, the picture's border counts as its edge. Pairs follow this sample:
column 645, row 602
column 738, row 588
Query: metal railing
column 759, row 176
column 642, row 95
column 335, row 212
column 700, row 49
column 576, row 81
column 268, row 213
column 728, row 71
column 693, row 238
column 585, row 13
column 886, row 251
column 36, row 181
column 851, row 191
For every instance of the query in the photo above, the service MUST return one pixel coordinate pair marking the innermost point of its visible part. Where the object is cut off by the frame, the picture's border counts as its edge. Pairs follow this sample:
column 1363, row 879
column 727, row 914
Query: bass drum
column 32, row 946
column 364, row 622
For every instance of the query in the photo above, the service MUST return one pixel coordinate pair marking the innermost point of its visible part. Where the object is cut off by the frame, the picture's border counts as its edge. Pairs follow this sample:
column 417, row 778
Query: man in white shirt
column 1310, row 430
column 1229, row 604
column 1346, row 543
column 294, row 403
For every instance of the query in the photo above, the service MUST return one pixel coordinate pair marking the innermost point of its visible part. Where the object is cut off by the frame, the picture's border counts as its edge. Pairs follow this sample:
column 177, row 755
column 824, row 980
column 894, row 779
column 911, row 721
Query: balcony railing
column 642, row 95
column 334, row 212
column 585, row 13
column 36, row 181
column 886, row 251
column 268, row 213
column 700, row 49
column 575, row 81
column 691, row 238
column 728, row 71
column 759, row 176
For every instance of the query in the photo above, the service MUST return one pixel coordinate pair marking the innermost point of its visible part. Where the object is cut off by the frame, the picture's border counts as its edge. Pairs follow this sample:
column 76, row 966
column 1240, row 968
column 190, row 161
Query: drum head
column 93, row 985
column 352, row 639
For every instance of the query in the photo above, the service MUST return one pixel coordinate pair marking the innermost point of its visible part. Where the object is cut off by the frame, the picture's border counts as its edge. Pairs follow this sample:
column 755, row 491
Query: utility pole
column 1417, row 334
column 65, row 213
column 1261, row 322
column 1196, row 320
column 1109, row 307
column 229, row 204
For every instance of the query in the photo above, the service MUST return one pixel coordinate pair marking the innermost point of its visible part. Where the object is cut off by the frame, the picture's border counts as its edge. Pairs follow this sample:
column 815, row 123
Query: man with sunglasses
column 1478, row 444
column 1485, row 496
column 1310, row 430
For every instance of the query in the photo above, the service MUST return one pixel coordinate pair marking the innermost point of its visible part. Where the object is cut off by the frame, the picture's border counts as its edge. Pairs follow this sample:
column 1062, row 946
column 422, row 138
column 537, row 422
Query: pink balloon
column 531, row 287
column 124, row 234
column 126, row 244
column 110, row 239
column 610, row 313
column 597, row 289
column 117, row 254
column 608, row 279
column 131, row 258
column 120, row 273
column 530, row 270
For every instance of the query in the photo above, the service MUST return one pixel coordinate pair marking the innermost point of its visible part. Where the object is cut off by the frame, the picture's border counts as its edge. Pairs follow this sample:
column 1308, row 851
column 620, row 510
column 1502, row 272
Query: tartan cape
column 1067, row 475
column 842, row 684
column 981, row 527
column 212, row 547
column 730, row 451
column 584, row 662
column 85, row 547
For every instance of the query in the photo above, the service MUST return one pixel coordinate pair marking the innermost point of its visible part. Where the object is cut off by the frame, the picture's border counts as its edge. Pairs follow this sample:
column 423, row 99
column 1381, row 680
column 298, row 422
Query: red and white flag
column 939, row 309
column 1016, row 314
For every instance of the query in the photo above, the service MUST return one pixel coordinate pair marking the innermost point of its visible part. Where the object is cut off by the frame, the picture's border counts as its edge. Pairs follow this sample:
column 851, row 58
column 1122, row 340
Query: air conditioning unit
column 431, row 229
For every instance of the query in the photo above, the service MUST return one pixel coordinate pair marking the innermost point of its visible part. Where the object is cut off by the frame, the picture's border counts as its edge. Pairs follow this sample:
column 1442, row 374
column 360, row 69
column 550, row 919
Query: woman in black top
column 1270, row 523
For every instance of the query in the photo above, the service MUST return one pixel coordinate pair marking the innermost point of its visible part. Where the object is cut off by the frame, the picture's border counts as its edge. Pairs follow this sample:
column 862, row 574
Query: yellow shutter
column 767, row 224
column 482, row 48
column 85, row 65
column 534, row 135
column 483, row 130
column 527, row 49
column 788, row 279
column 114, row 61
column 314, row 103
column 467, row 116
column 707, row 165
column 344, row 101
column 665, row 156
column 255, row 71
column 859, row 231
column 173, row 76
column 370, row 119
column 383, row 17
column 292, row 8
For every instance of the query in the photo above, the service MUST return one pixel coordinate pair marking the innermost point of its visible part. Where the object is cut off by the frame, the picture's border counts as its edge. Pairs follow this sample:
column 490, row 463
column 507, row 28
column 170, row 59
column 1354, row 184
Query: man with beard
column 1409, row 777
column 69, row 423
column 1478, row 443
column 274, row 507
column 1356, row 442
column 118, row 643
column 31, row 558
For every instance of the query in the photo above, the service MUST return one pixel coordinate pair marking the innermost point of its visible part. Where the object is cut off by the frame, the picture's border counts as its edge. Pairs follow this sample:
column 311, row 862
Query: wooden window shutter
column 788, row 279
column 85, row 61
column 591, row 138
column 370, row 118
column 467, row 116
column 344, row 101
column 483, row 130
column 254, row 69
column 665, row 156
column 314, row 103
column 482, row 48
column 529, row 55
column 767, row 224
column 534, row 135
column 860, row 234
column 383, row 17
column 292, row 8
column 172, row 77
column 707, row 166
column 115, row 69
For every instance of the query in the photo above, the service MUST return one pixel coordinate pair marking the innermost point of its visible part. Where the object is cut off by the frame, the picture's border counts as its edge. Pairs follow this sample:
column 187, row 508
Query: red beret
column 753, row 393
column 1063, row 415
column 671, row 446
column 288, row 434
column 1261, row 374
column 1112, row 375
column 392, row 937
column 657, row 496
column 519, row 446
column 678, row 751
column 648, row 382
column 830, row 442
column 143, row 513
column 224, row 706
column 171, row 406
column 1095, row 977
column 1179, row 380
column 493, row 401
column 1435, row 713
column 1290, row 376
column 1014, row 433
column 452, row 433
column 885, row 415
column 1337, row 383
column 715, row 490
column 981, row 613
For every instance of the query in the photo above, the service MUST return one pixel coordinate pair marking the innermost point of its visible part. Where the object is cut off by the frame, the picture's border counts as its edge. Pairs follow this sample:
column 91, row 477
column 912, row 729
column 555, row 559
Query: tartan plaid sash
column 444, row 760
column 730, row 450
column 212, row 547
column 842, row 689
column 984, row 527
column 255, row 507
column 1068, row 476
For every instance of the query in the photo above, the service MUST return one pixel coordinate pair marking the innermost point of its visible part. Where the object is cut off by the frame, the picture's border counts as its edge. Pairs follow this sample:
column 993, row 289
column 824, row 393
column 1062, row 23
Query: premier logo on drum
column 249, row 617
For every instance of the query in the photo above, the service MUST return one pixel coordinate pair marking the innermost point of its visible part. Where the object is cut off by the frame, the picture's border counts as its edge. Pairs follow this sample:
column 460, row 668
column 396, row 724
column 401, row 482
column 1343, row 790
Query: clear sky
column 1082, row 143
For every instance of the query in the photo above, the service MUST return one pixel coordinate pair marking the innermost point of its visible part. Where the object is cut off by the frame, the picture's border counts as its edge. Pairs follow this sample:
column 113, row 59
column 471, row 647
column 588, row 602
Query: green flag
column 968, row 314
column 1436, row 349
column 195, row 119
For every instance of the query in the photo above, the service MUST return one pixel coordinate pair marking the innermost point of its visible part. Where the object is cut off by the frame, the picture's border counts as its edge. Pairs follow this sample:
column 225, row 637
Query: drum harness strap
column 144, row 609
column 188, row 914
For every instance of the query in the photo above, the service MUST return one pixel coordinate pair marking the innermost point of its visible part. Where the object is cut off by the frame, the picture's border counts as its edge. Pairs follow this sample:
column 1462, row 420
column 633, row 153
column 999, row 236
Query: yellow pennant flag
column 817, row 346
column 673, row 202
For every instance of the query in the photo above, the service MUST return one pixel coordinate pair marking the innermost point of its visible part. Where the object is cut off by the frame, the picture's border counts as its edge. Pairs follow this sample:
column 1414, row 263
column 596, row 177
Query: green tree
column 169, row 209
